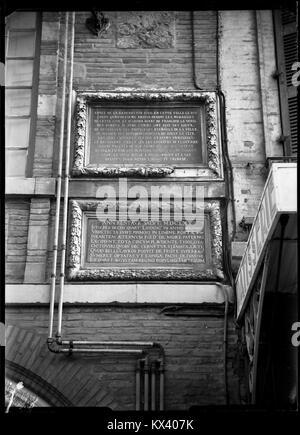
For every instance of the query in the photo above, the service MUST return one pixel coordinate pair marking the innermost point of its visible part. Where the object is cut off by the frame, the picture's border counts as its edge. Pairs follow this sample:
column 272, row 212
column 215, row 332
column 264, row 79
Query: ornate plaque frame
column 212, row 170
column 76, row 272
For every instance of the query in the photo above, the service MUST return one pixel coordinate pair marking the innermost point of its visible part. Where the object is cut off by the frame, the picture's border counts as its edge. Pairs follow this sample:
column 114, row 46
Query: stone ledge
column 30, row 186
column 123, row 293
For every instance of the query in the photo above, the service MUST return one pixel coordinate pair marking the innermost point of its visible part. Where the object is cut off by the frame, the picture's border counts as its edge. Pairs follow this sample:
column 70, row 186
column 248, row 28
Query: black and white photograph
column 149, row 214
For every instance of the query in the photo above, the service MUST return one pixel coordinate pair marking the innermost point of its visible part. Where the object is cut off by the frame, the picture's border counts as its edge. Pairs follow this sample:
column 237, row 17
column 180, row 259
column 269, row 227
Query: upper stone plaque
column 146, row 134
column 137, row 135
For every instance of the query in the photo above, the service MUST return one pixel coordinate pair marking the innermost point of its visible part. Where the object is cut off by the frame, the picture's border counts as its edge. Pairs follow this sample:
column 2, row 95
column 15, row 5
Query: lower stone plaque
column 143, row 243
column 122, row 249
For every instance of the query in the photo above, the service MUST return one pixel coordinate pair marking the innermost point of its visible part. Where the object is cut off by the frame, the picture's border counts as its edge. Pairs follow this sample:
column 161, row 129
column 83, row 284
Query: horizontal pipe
column 117, row 343
column 194, row 314
column 87, row 350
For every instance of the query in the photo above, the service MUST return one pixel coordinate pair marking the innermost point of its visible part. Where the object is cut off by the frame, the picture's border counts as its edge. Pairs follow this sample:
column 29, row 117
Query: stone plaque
column 124, row 249
column 163, row 243
column 145, row 135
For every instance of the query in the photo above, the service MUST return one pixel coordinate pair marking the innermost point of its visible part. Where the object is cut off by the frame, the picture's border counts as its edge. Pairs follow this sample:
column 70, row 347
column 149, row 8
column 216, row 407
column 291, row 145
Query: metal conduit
column 225, row 342
column 58, row 182
column 113, row 343
column 107, row 350
column 153, row 382
column 161, row 384
column 147, row 377
column 193, row 53
column 138, row 386
column 146, row 384
column 66, row 181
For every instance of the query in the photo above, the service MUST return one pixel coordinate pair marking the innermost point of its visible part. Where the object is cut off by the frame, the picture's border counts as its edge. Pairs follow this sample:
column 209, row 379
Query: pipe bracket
column 71, row 347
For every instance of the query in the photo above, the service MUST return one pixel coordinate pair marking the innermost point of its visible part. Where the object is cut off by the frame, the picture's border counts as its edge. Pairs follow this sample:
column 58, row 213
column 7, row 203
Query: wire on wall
column 193, row 53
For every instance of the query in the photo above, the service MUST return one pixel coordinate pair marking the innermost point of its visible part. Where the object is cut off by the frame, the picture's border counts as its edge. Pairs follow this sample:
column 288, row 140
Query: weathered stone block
column 44, row 146
column 238, row 249
column 37, row 237
column 145, row 30
column 34, row 272
column 46, row 105
column 48, row 65
column 50, row 30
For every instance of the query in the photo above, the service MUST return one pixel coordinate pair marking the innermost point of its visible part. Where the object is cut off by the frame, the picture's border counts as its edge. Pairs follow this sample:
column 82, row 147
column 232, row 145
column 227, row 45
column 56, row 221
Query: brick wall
column 26, row 239
column 102, row 63
column 194, row 371
column 16, row 234
column 47, row 94
column 193, row 346
column 244, row 70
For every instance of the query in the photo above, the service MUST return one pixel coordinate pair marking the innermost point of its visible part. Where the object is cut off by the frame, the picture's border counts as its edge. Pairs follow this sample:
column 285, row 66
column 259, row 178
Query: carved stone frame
column 214, row 169
column 76, row 272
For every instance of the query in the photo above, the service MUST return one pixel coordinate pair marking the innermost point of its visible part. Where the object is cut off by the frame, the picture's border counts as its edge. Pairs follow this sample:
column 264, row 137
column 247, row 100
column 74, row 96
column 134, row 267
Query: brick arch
column 36, row 384
column 58, row 379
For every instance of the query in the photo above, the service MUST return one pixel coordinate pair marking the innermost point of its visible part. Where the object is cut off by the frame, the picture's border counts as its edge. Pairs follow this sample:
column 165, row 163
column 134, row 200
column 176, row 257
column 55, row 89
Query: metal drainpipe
column 223, row 128
column 66, row 181
column 106, row 350
column 161, row 384
column 153, row 380
column 193, row 53
column 59, row 348
column 113, row 343
column 161, row 371
column 58, row 183
column 225, row 341
column 146, row 384
column 138, row 385
column 228, row 170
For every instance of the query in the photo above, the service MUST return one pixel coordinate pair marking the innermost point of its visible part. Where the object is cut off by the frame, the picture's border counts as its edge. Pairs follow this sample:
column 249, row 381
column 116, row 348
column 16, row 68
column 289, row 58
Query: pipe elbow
column 161, row 350
column 226, row 298
column 52, row 345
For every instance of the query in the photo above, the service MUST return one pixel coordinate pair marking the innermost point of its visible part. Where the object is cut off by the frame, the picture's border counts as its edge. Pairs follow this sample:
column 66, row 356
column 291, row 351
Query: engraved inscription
column 137, row 242
column 89, row 237
column 139, row 135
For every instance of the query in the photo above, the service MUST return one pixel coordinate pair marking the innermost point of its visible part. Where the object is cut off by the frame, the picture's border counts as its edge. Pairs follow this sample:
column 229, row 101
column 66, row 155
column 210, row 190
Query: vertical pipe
column 146, row 385
column 138, row 385
column 225, row 342
column 193, row 53
column 225, row 348
column 66, row 181
column 153, row 380
column 161, row 385
column 58, row 186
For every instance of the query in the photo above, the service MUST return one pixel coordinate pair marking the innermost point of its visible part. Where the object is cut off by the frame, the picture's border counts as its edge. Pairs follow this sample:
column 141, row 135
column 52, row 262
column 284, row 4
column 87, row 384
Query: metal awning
column 279, row 197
